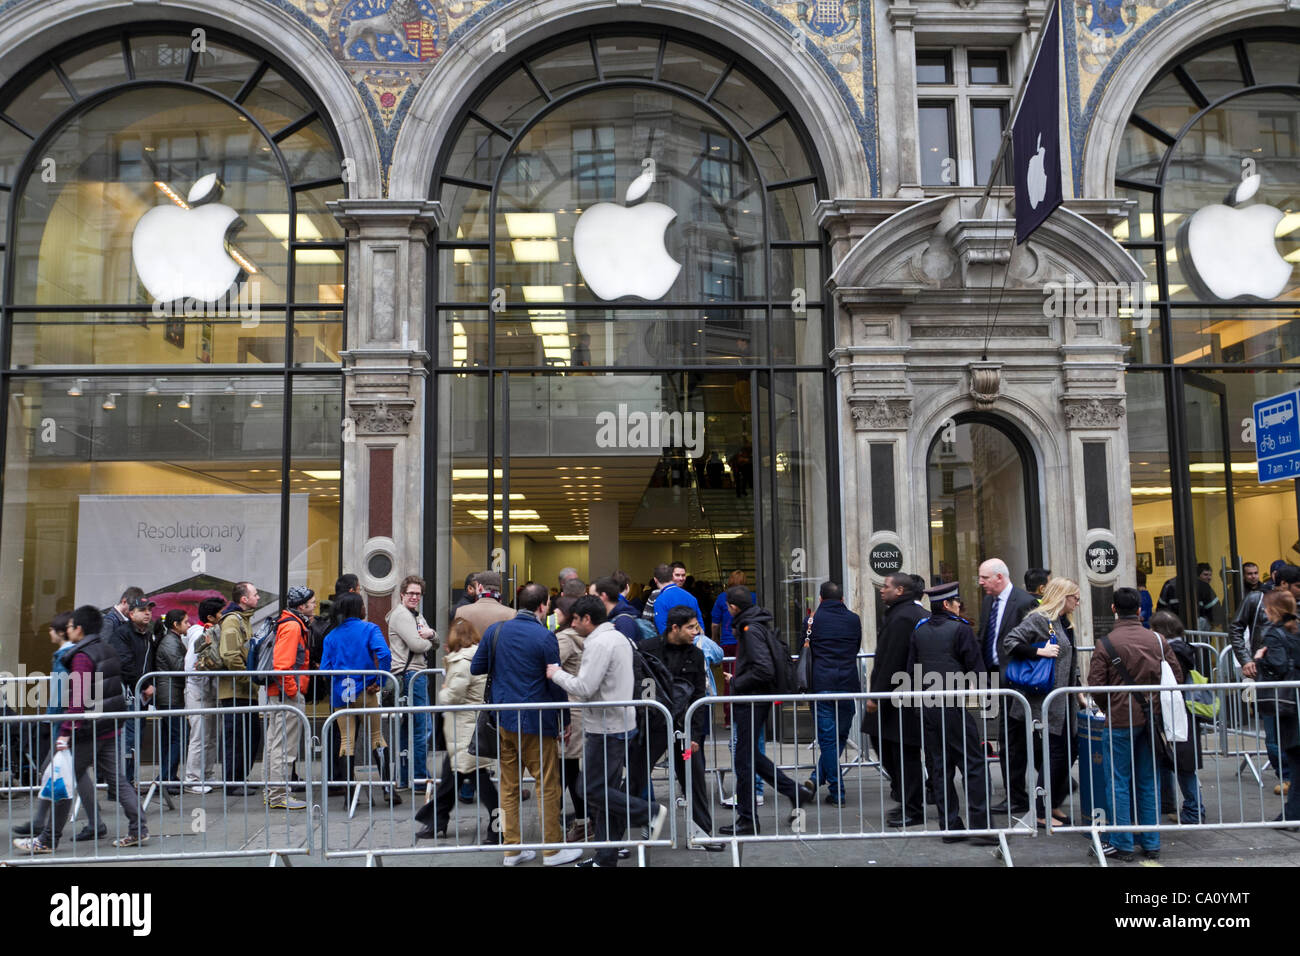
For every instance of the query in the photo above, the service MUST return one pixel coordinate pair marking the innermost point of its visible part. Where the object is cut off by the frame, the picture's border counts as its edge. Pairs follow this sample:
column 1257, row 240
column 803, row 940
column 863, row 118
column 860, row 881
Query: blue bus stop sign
column 1277, row 437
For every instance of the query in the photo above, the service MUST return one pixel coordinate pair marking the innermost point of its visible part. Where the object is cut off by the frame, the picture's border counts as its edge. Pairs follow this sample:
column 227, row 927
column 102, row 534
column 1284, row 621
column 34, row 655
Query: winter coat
column 131, row 646
column 892, row 647
column 290, row 654
column 835, row 640
column 571, row 644
column 461, row 687
column 169, row 655
column 236, row 630
column 516, row 654
column 604, row 674
column 355, row 645
column 59, row 671
column 1281, row 661
column 755, row 670
column 1140, row 651
column 1018, row 643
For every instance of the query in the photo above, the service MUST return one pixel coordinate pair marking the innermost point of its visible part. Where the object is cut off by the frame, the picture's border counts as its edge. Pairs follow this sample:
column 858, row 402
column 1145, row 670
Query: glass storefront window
column 181, row 482
column 579, row 350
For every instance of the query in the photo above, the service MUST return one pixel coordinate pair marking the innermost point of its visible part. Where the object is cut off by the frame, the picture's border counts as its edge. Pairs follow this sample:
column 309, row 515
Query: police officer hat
column 943, row 592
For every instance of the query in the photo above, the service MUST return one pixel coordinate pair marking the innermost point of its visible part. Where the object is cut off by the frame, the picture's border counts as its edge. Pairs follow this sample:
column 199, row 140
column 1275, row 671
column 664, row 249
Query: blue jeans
column 833, row 720
column 1192, row 809
column 417, row 695
column 1133, row 768
column 1270, row 744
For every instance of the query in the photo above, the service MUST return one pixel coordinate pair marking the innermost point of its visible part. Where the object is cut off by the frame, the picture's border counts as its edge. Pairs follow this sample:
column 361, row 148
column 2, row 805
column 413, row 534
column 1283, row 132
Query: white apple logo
column 180, row 251
column 1036, row 175
column 620, row 249
column 1228, row 252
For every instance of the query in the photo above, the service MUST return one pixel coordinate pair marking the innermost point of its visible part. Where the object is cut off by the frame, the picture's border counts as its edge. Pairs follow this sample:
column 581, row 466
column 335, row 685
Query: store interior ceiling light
column 480, row 496
column 1216, row 468
column 470, row 474
column 256, row 402
column 110, row 402
column 572, row 537
column 535, row 250
column 230, row 387
column 74, row 390
column 523, row 514
column 153, row 387
column 324, row 475
column 526, row 529
column 531, row 225
column 543, row 293
column 184, row 402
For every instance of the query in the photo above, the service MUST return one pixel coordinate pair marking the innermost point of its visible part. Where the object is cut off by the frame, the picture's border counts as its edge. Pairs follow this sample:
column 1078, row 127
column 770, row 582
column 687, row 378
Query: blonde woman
column 1049, row 625
column 459, row 766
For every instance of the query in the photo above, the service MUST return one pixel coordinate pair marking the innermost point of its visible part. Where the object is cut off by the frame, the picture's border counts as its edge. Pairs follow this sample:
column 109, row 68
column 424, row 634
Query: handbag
column 484, row 741
column 1036, row 675
column 803, row 670
column 1173, row 711
column 1164, row 750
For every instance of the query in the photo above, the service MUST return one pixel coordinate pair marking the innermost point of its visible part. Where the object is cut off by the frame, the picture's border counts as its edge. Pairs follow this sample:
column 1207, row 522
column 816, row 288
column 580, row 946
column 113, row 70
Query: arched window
column 631, row 230
column 1211, row 159
column 172, row 321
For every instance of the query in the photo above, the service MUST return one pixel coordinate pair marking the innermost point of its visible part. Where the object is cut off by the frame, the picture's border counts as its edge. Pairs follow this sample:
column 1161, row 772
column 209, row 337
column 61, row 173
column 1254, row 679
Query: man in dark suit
column 897, row 730
column 1005, row 606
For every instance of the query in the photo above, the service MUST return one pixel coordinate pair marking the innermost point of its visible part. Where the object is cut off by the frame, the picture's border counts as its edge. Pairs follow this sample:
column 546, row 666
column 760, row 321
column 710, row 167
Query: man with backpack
column 606, row 673
column 762, row 667
column 282, row 733
column 242, row 732
column 620, row 613
column 686, row 668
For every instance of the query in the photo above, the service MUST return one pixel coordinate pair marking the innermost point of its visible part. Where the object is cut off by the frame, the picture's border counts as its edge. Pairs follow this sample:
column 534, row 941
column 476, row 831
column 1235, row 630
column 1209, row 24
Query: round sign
column 886, row 559
column 1101, row 557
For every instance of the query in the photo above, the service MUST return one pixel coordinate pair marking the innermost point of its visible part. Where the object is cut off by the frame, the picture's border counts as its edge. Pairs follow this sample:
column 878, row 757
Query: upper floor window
column 963, row 103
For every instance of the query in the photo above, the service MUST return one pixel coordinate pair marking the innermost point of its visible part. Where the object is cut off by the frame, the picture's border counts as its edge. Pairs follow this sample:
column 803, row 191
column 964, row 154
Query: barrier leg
column 1096, row 847
column 1003, row 850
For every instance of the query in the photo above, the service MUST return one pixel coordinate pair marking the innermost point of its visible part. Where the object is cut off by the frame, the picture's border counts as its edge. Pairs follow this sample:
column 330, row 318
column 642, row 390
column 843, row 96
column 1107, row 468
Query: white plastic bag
column 59, row 781
column 1172, row 709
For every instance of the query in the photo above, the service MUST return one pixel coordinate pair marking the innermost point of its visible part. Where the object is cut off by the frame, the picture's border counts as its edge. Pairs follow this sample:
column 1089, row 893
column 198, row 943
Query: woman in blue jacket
column 357, row 645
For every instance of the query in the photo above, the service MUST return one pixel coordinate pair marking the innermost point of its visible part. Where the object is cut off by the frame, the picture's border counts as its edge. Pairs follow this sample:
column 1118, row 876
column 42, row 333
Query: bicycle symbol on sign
column 1268, row 443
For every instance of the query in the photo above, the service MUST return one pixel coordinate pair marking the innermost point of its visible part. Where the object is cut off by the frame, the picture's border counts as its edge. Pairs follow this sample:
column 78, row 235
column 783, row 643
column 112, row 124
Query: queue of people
column 588, row 644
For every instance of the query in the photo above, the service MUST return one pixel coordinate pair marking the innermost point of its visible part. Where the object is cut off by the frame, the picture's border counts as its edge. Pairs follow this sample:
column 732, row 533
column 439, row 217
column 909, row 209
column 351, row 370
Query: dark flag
column 1036, row 135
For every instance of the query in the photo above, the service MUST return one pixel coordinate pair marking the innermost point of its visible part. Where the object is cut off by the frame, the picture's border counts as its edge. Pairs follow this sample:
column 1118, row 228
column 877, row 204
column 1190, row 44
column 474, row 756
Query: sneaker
column 836, row 799
column 657, row 824
column 1110, row 851
column 624, row 853
column 808, row 790
column 1151, row 854
column 561, row 857
column 589, row 861
column 759, row 799
column 577, row 833
column 285, row 802
column 523, row 856
column 197, row 788
column 32, row 845
column 23, row 829
column 730, row 801
column 132, row 839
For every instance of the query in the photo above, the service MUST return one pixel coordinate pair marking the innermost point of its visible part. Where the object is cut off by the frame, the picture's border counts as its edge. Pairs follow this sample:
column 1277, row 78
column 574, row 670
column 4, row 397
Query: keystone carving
column 985, row 384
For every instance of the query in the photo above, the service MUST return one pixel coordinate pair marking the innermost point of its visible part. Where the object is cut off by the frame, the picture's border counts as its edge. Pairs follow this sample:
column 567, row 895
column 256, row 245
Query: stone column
column 901, row 17
column 385, row 369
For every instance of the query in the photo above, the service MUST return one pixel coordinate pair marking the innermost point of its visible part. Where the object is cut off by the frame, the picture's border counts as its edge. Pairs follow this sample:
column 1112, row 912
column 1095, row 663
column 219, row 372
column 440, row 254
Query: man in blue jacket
column 673, row 594
column 834, row 636
column 516, row 653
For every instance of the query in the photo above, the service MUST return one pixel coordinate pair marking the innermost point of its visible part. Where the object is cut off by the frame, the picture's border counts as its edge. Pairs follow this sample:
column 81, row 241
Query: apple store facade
column 602, row 290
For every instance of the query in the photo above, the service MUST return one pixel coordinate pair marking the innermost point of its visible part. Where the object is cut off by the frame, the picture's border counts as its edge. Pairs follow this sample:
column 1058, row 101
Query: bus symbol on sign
column 1277, row 437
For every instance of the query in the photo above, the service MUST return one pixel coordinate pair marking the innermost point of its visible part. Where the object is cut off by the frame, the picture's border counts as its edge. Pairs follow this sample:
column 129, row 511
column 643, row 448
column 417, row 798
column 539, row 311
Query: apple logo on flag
column 1036, row 175
column 1227, row 252
column 179, row 249
column 620, row 249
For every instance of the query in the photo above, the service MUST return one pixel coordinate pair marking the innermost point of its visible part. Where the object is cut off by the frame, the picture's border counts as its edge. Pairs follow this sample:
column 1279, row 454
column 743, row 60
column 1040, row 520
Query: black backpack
column 651, row 681
column 785, row 669
column 319, row 685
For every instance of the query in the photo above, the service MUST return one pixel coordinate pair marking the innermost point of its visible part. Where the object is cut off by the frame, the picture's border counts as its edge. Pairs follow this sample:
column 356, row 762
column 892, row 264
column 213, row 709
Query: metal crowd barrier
column 483, row 826
column 20, row 762
column 189, row 826
column 954, row 744
column 1107, row 757
column 433, row 678
column 1238, row 731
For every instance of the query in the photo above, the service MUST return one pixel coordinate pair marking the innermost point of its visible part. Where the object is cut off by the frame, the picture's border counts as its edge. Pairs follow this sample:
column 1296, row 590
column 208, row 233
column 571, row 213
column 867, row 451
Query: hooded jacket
column 755, row 668
column 236, row 631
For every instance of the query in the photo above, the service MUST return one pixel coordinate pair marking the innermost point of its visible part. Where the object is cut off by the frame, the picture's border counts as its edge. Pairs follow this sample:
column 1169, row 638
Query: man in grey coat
column 606, row 674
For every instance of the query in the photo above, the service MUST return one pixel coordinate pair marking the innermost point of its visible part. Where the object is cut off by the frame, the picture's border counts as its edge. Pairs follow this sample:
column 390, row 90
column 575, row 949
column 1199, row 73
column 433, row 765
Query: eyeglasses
column 413, row 594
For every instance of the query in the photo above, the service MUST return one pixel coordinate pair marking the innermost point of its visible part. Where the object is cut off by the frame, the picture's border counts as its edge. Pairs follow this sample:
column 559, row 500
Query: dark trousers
column 1015, row 763
column 902, row 761
column 171, row 741
column 610, row 803
column 88, row 757
column 749, row 761
column 576, row 784
column 699, row 782
column 242, row 735
column 952, row 744
column 444, row 797
column 1059, row 771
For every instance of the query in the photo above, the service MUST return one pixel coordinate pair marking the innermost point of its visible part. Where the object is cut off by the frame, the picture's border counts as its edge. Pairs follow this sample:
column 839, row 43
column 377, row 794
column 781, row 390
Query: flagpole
column 1015, row 109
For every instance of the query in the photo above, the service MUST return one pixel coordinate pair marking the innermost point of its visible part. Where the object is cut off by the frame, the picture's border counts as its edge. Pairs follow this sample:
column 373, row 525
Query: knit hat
column 298, row 596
